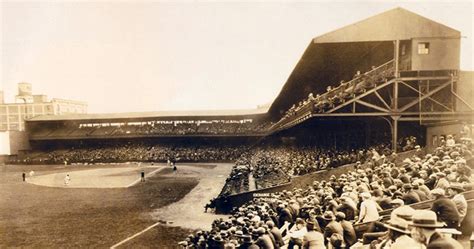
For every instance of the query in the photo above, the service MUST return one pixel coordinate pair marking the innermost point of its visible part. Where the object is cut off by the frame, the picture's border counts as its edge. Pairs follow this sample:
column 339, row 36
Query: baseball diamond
column 366, row 143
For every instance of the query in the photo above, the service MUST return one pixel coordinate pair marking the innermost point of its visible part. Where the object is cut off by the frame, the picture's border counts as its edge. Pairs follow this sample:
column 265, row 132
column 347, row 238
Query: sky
column 189, row 55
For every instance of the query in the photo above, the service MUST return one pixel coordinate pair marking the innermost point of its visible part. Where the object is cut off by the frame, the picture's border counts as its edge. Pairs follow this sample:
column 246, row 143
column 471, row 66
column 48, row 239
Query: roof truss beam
column 416, row 101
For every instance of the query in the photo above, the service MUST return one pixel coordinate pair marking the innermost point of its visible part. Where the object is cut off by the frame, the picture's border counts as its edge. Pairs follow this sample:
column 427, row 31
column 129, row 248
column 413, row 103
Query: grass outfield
column 46, row 217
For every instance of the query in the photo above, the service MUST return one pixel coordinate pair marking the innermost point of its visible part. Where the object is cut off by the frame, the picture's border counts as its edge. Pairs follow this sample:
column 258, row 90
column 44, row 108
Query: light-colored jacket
column 461, row 205
column 313, row 240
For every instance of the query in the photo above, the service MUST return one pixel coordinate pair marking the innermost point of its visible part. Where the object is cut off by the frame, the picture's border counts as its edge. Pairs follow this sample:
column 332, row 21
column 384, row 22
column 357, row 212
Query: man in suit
column 350, row 236
column 445, row 209
column 458, row 198
column 333, row 230
column 276, row 233
column 424, row 224
column 313, row 239
column 410, row 196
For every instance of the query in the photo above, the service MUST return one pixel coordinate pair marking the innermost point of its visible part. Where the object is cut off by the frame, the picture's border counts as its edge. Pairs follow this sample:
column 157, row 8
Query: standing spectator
column 24, row 176
column 450, row 141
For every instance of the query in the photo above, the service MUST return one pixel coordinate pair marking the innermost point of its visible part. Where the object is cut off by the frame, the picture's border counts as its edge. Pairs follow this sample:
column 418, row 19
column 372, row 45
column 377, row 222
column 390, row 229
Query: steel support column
column 396, row 55
column 395, row 133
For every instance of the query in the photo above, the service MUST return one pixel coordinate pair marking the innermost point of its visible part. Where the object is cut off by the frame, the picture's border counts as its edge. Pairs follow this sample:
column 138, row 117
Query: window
column 423, row 48
column 13, row 109
column 403, row 50
column 38, row 109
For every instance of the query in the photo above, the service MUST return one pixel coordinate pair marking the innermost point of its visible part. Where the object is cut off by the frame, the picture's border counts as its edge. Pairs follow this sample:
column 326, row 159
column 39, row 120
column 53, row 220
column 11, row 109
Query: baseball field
column 105, row 205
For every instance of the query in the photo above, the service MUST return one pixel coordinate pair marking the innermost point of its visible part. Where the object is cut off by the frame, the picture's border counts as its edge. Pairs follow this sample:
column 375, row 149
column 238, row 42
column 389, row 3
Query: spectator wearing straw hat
column 459, row 200
column 398, row 230
column 445, row 208
column 424, row 224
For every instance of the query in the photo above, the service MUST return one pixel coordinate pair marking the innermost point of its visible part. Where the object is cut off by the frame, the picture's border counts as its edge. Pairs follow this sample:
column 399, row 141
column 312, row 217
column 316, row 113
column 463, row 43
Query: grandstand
column 355, row 99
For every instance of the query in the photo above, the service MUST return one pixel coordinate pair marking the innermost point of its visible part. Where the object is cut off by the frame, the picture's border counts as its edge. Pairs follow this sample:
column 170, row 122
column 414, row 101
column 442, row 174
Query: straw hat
column 425, row 218
column 457, row 186
column 438, row 191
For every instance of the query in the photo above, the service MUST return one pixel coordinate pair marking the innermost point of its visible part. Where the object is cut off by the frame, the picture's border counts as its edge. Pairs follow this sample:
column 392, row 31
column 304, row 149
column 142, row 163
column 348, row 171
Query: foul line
column 135, row 235
column 147, row 175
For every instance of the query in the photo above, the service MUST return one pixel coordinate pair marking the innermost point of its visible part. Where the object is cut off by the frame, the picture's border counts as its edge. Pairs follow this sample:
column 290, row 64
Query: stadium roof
column 328, row 59
column 395, row 24
column 147, row 115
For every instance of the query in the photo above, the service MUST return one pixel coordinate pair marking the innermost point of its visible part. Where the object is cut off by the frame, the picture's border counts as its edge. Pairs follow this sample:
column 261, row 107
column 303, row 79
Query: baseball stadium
column 367, row 145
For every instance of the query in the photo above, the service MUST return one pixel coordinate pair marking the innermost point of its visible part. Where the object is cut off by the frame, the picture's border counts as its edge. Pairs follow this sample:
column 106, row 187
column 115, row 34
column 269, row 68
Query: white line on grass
column 147, row 175
column 135, row 235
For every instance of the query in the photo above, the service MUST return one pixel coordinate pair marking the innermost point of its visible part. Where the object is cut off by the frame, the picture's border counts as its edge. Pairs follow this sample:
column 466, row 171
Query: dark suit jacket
column 285, row 215
column 333, row 227
column 350, row 236
column 446, row 210
column 438, row 242
column 277, row 235
column 348, row 210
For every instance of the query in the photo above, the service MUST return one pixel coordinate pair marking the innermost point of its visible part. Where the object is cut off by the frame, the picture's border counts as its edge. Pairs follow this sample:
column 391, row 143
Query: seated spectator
column 445, row 208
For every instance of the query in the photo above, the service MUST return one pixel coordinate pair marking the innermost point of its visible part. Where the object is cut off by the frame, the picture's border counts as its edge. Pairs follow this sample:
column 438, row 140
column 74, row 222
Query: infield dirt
column 49, row 217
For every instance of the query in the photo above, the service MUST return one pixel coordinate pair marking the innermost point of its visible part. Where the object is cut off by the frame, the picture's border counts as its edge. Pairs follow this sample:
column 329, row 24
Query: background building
column 26, row 106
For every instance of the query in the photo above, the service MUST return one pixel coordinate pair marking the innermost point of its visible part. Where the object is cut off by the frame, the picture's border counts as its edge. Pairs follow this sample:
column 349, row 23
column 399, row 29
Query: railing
column 384, row 215
column 349, row 89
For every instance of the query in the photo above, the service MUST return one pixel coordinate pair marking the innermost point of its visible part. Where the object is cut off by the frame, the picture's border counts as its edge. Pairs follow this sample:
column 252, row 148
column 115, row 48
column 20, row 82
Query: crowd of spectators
column 334, row 95
column 271, row 166
column 140, row 152
column 337, row 212
column 214, row 127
